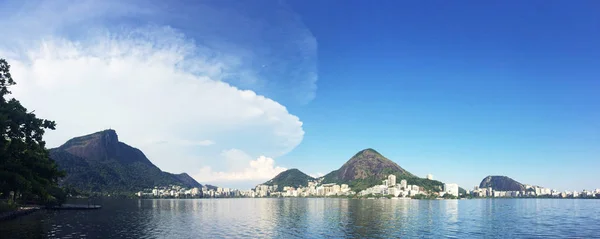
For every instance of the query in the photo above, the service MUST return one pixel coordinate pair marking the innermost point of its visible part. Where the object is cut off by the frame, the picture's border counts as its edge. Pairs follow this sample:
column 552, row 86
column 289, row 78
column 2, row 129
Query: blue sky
column 235, row 92
column 461, row 91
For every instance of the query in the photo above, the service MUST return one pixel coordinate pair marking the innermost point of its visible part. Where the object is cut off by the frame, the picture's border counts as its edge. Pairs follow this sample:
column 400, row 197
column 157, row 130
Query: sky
column 235, row 92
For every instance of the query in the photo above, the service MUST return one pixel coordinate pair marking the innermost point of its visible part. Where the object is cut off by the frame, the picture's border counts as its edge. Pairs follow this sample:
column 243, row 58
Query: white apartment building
column 391, row 181
column 451, row 188
column 403, row 184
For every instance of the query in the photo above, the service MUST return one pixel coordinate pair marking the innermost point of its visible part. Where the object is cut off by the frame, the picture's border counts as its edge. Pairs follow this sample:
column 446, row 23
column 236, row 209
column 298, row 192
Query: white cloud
column 185, row 94
column 263, row 48
column 316, row 175
column 138, row 88
column 255, row 172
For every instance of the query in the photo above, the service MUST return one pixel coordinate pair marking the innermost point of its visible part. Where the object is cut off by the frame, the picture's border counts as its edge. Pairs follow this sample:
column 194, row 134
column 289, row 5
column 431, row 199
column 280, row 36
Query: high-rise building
column 429, row 176
column 336, row 189
column 391, row 181
column 403, row 184
column 451, row 188
column 195, row 191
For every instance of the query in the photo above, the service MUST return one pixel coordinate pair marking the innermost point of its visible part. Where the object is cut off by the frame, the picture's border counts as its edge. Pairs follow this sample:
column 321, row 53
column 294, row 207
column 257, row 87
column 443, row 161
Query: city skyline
column 234, row 93
column 388, row 188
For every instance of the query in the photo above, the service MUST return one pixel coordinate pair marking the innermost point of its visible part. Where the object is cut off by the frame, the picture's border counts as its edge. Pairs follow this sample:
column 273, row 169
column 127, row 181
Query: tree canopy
column 26, row 171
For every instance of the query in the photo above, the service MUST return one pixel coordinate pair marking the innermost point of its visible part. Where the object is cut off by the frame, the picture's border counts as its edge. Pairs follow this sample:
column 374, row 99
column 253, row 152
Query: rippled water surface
column 316, row 218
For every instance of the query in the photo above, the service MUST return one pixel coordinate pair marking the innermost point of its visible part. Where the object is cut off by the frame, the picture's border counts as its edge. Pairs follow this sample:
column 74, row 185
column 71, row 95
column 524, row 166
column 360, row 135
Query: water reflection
column 316, row 218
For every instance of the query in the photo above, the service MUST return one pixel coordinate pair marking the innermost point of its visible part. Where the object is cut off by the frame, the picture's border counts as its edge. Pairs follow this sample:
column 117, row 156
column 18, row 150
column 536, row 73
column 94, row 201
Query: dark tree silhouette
column 26, row 171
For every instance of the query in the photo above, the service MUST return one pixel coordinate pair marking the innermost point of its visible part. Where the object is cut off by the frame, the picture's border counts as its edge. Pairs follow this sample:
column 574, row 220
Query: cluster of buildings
column 388, row 187
column 175, row 191
column 533, row 191
column 402, row 189
column 170, row 191
column 313, row 189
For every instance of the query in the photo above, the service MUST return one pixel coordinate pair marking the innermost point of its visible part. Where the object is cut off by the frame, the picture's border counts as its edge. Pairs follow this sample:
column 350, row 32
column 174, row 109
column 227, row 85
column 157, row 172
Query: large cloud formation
column 188, row 102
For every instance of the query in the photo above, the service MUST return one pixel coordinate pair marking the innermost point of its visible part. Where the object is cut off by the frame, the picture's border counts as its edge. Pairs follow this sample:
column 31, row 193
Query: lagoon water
column 316, row 218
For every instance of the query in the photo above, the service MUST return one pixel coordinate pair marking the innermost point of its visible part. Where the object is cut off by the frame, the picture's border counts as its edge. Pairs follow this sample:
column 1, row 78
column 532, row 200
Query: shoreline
column 5, row 216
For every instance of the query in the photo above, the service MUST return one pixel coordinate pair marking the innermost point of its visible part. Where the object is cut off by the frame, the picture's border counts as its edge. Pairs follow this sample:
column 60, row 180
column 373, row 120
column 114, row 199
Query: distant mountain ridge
column 291, row 177
column 99, row 162
column 501, row 183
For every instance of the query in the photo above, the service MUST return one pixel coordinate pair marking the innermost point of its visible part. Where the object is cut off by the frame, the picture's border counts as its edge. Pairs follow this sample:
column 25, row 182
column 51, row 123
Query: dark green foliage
column 449, row 196
column 99, row 163
column 26, row 171
column 331, row 177
column 358, row 185
column 292, row 177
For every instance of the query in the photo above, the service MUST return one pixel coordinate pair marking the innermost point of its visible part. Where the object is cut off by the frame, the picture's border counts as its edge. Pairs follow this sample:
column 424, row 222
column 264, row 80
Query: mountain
column 187, row 180
column 368, row 168
column 501, row 183
column 100, row 163
column 364, row 164
column 291, row 177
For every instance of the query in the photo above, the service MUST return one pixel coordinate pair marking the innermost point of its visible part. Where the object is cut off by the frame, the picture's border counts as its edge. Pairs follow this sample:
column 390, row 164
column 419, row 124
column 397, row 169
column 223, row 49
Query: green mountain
column 291, row 177
column 100, row 163
column 501, row 183
column 368, row 168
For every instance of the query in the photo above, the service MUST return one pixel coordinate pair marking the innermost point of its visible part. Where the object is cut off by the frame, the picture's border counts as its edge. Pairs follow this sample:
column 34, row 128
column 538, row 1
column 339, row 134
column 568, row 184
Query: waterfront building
column 195, row 192
column 320, row 191
column 391, row 180
column 403, row 184
column 336, row 189
column 451, row 188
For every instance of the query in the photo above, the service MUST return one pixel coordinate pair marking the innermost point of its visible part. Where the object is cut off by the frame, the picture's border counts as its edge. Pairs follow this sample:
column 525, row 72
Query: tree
column 26, row 171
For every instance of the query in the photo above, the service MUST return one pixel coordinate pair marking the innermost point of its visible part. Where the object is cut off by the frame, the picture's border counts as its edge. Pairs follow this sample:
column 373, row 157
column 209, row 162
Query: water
column 317, row 218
